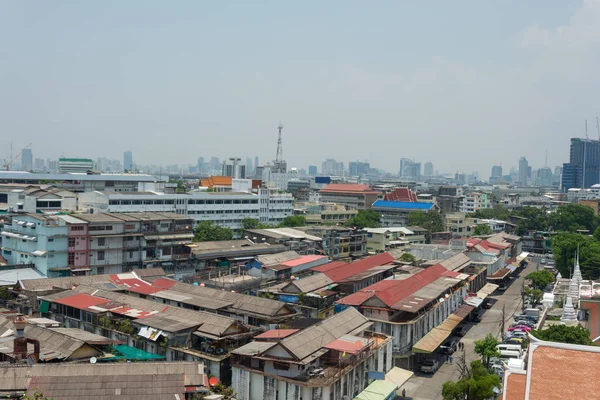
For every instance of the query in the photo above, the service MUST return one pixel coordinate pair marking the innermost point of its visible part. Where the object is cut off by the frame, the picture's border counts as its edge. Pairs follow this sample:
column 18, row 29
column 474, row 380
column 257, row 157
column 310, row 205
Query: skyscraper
column 312, row 170
column 358, row 168
column 128, row 161
column 497, row 171
column 524, row 171
column 582, row 170
column 200, row 165
column 27, row 160
column 428, row 169
column 410, row 169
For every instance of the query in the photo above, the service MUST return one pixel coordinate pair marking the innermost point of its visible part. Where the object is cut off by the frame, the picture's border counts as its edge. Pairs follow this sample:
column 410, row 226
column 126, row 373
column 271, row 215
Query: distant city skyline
column 165, row 81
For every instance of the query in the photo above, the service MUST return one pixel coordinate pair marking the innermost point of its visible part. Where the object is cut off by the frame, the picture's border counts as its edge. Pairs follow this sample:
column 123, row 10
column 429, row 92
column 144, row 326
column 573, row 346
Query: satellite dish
column 93, row 360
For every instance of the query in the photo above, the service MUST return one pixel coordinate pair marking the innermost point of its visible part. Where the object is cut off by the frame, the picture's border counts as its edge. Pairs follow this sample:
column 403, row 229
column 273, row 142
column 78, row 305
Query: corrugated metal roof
column 274, row 259
column 253, row 348
column 340, row 271
column 276, row 334
column 378, row 390
column 315, row 337
column 309, row 283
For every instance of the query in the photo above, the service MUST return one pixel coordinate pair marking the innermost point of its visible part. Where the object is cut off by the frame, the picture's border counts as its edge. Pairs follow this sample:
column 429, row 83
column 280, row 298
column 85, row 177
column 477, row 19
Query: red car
column 520, row 328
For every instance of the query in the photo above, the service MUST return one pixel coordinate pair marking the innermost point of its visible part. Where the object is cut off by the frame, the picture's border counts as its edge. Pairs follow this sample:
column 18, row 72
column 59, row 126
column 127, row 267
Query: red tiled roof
column 276, row 334
column 302, row 260
column 349, row 187
column 345, row 346
column 81, row 301
column 401, row 194
column 342, row 270
column 392, row 291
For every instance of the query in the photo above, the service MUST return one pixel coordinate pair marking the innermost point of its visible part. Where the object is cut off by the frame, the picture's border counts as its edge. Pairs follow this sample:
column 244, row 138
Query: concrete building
column 524, row 172
column 473, row 201
column 409, row 309
column 358, row 168
column 38, row 240
column 578, row 194
column 325, row 213
column 356, row 196
column 74, row 165
column 583, row 168
column 83, row 182
column 331, row 167
column 33, row 199
column 226, row 209
column 339, row 242
column 312, row 170
column 544, row 177
column 383, row 239
column 496, row 174
column 460, row 225
column 428, row 169
column 328, row 360
column 26, row 160
column 410, row 169
column 395, row 213
column 128, row 161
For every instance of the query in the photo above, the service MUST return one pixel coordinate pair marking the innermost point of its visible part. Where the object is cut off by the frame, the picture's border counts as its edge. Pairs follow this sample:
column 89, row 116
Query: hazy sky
column 464, row 84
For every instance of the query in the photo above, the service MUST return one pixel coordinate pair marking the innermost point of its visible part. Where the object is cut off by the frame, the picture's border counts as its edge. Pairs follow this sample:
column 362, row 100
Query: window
column 129, row 227
column 100, row 256
column 51, row 239
column 101, row 241
column 100, row 270
column 71, row 242
column 71, row 259
column 77, row 228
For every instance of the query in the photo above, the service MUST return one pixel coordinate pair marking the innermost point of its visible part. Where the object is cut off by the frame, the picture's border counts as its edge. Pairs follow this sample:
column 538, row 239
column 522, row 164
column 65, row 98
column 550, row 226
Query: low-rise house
column 177, row 333
column 328, row 360
column 229, row 253
column 357, row 196
column 359, row 274
column 338, row 242
column 395, row 213
column 34, row 199
column 135, row 381
column 293, row 239
column 409, row 307
column 539, row 242
column 461, row 225
column 283, row 265
column 383, row 239
column 326, row 213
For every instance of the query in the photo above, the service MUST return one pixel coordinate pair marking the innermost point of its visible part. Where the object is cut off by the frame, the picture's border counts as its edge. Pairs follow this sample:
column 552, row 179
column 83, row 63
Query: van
column 509, row 347
column 505, row 354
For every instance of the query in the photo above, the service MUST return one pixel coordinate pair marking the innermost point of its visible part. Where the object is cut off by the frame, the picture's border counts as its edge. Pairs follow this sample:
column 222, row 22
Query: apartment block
column 474, row 201
column 34, row 199
column 226, row 209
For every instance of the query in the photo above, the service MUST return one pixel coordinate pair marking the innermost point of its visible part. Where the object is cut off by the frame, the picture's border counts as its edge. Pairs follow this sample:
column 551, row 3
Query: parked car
column 515, row 340
column 487, row 304
column 449, row 347
column 476, row 317
column 430, row 365
column 516, row 334
column 460, row 331
column 523, row 328
column 498, row 370
column 524, row 322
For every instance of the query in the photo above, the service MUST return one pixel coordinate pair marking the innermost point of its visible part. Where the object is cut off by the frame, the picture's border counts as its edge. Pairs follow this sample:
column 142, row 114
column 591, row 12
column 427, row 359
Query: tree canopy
column 564, row 334
column 541, row 279
column 251, row 223
column 483, row 229
column 498, row 212
column 486, row 348
column 564, row 248
column 573, row 217
column 207, row 231
column 476, row 384
column 432, row 221
column 531, row 219
column 365, row 219
column 534, row 296
column 292, row 221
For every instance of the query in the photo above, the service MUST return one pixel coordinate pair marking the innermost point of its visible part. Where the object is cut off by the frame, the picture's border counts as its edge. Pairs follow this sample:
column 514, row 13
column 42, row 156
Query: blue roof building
column 395, row 213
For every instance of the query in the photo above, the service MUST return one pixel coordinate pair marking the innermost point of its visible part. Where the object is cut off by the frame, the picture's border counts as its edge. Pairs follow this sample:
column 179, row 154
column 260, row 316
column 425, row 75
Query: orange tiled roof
column 514, row 386
column 213, row 181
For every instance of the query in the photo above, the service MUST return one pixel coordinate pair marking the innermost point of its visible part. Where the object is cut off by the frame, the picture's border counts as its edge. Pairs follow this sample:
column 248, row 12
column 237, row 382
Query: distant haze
column 463, row 84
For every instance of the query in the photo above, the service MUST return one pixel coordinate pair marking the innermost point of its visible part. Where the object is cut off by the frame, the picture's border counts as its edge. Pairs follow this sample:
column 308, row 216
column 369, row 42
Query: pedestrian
column 404, row 393
column 450, row 359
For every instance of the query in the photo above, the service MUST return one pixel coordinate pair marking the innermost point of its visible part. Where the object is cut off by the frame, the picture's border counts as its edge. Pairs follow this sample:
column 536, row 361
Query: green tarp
column 44, row 306
column 131, row 353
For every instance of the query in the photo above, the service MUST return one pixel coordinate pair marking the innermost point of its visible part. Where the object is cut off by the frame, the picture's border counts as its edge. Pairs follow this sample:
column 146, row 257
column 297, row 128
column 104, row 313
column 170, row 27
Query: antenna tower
column 598, row 127
column 279, row 156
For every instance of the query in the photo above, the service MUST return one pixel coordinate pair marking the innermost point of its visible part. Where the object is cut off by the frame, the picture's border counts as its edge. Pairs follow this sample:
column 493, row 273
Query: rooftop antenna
column 279, row 156
column 586, row 134
column 598, row 127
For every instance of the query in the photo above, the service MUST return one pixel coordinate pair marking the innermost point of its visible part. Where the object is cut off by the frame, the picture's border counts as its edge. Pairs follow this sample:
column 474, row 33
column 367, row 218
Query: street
column 428, row 387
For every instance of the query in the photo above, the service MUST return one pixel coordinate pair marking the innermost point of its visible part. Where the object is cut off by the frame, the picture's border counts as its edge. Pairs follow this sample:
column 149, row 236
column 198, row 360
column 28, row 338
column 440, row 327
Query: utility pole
column 503, row 319
column 523, row 295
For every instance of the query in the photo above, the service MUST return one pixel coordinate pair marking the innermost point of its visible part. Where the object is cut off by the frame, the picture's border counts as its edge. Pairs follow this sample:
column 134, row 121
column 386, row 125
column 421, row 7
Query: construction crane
column 9, row 163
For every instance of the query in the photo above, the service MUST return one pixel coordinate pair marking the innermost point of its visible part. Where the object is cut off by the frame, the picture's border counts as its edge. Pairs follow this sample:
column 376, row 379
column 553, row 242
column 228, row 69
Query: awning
column 39, row 253
column 512, row 268
column 487, row 290
column 398, row 376
column 30, row 224
column 500, row 274
column 474, row 301
column 435, row 337
column 81, row 269
column 522, row 256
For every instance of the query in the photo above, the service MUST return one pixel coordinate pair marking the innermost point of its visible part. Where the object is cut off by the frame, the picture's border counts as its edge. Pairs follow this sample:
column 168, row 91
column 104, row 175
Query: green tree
column 486, row 348
column 564, row 248
column 365, row 219
column 573, row 217
column 534, row 296
column 597, row 234
column 541, row 279
column 292, row 221
column 531, row 219
column 477, row 383
column 481, row 230
column 498, row 212
column 432, row 221
column 37, row 395
column 407, row 257
column 5, row 293
column 207, row 231
column 250, row 223
column 564, row 334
